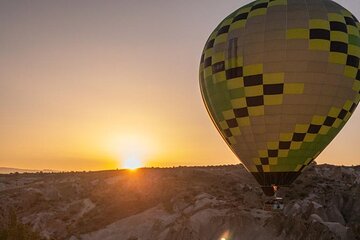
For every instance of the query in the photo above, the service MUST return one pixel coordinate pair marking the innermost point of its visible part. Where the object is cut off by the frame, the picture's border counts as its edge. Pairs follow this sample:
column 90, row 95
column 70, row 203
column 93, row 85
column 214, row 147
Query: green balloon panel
column 280, row 78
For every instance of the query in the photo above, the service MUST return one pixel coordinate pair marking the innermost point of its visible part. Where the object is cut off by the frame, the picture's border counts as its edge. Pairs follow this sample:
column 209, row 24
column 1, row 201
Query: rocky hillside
column 197, row 203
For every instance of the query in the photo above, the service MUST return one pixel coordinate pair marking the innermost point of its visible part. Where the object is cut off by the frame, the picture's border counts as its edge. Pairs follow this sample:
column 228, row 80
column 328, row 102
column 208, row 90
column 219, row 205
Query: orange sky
column 86, row 85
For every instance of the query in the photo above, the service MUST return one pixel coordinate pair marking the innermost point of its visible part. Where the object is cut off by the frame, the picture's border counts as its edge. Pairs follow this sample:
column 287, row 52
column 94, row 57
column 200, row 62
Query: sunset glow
column 131, row 163
column 87, row 85
column 132, row 150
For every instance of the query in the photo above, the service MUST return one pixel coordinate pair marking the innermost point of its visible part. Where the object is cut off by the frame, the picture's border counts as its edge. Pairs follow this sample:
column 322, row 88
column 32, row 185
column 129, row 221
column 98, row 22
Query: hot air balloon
column 280, row 79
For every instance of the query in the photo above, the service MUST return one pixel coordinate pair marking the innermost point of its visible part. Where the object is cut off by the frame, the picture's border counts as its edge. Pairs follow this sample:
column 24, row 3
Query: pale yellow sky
column 86, row 85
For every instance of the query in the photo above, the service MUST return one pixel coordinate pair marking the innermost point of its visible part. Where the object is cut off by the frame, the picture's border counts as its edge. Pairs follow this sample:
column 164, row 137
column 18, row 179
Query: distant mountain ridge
column 8, row 170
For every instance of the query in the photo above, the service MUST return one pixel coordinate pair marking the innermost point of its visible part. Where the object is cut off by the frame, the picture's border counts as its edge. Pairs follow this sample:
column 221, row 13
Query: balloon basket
column 273, row 203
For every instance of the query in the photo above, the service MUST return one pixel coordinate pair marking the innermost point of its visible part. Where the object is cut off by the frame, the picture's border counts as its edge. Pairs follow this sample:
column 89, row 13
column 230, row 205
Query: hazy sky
column 88, row 84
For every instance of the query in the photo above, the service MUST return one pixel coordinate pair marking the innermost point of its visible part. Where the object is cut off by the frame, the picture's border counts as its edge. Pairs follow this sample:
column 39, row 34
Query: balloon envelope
column 280, row 78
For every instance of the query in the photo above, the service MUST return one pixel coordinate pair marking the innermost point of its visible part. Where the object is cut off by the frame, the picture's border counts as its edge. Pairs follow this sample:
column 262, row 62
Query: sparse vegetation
column 12, row 229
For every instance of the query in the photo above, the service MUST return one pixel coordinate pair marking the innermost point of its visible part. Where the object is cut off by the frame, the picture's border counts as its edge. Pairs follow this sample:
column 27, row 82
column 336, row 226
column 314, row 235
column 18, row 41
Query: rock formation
column 192, row 203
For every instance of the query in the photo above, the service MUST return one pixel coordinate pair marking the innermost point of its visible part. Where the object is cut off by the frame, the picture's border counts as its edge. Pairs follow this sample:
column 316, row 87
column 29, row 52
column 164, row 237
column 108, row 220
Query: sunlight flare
column 132, row 163
column 131, row 150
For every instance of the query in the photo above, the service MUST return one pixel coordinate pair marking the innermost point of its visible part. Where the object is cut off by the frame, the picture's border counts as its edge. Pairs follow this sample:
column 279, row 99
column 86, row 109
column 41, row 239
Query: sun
column 131, row 150
column 132, row 163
